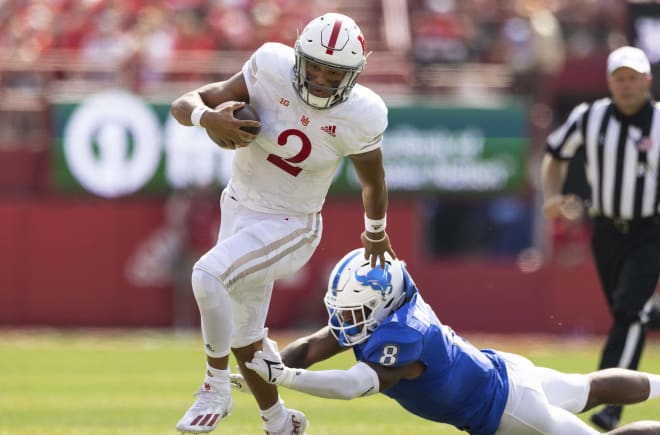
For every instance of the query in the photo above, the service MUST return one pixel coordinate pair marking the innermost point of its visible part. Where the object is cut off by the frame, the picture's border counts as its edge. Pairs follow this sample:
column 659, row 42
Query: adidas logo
column 330, row 129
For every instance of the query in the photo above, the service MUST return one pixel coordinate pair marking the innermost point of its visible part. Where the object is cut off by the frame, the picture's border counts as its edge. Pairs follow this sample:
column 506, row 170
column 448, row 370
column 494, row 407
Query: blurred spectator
column 138, row 39
column 154, row 40
column 231, row 27
column 111, row 49
column 439, row 34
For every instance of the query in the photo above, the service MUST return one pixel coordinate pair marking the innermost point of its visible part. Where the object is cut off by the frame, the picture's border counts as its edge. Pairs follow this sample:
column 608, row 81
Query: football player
column 312, row 114
column 406, row 353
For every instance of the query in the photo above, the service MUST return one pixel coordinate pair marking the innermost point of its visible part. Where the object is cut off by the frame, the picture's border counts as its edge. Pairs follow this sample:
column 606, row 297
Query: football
column 246, row 112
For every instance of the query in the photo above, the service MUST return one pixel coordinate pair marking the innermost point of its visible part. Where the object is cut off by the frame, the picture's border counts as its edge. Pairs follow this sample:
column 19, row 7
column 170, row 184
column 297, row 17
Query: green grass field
column 99, row 382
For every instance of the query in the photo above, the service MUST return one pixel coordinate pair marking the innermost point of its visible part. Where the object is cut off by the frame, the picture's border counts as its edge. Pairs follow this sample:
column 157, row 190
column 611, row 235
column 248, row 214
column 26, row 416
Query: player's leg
column 528, row 411
column 638, row 428
column 213, row 400
column 577, row 393
column 630, row 308
column 568, row 391
column 285, row 244
column 622, row 386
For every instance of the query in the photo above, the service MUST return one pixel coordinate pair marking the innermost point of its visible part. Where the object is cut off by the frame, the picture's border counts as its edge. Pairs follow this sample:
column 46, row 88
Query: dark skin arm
column 370, row 172
column 322, row 345
column 311, row 349
column 231, row 94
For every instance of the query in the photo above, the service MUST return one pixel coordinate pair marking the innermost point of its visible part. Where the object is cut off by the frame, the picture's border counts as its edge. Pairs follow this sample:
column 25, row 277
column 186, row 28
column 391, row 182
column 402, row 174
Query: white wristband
column 375, row 225
column 196, row 115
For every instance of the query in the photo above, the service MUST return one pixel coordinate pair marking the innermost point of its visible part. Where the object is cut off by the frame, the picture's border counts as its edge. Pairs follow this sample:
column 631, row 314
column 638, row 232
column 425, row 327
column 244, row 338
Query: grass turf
column 141, row 382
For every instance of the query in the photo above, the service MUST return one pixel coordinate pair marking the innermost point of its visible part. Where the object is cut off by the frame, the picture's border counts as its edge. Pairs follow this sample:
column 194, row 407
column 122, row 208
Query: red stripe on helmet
column 333, row 37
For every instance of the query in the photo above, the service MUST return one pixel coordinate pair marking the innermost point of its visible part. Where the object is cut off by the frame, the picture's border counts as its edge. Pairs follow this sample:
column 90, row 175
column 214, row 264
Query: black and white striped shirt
column 622, row 156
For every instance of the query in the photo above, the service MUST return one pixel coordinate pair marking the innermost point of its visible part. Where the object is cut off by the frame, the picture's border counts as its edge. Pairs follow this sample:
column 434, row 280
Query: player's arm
column 369, row 169
column 359, row 381
column 200, row 107
column 311, row 349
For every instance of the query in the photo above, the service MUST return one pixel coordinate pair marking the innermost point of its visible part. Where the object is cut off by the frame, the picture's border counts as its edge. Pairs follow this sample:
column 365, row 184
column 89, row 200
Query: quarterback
column 312, row 114
column 405, row 352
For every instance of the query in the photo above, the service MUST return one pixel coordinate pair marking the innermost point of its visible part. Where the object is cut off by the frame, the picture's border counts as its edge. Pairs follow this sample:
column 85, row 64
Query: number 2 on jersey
column 286, row 164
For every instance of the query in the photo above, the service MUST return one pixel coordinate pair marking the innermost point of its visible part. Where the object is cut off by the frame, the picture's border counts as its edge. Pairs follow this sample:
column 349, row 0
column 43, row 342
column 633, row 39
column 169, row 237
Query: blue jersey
column 462, row 385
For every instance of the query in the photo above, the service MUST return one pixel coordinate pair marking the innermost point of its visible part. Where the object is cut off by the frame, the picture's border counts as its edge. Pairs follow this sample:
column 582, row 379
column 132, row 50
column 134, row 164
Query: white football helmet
column 331, row 40
column 359, row 297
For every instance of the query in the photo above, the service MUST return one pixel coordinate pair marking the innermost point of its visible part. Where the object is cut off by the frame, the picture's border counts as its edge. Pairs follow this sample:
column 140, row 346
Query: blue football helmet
column 359, row 297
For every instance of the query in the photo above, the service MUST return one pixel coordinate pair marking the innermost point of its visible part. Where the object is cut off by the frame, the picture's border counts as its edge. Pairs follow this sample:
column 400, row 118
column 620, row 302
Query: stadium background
column 105, row 203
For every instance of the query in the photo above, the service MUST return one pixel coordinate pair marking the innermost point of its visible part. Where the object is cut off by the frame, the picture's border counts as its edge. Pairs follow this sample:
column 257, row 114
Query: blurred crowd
column 116, row 27
column 507, row 30
column 150, row 33
column 152, row 46
column 147, row 34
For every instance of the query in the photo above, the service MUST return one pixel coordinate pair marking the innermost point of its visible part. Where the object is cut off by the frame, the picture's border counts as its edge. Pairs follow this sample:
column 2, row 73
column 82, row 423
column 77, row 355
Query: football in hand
column 246, row 112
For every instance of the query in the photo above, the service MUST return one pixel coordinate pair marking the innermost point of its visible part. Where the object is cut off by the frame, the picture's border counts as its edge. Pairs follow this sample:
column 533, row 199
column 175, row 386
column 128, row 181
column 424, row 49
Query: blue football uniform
column 462, row 385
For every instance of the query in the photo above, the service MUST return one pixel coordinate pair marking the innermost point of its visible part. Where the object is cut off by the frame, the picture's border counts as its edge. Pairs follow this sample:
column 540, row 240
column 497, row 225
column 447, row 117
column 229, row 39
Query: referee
column 621, row 136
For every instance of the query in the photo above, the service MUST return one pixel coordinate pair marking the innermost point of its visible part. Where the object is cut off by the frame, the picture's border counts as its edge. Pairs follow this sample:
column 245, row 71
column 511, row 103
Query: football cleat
column 210, row 407
column 608, row 418
column 296, row 424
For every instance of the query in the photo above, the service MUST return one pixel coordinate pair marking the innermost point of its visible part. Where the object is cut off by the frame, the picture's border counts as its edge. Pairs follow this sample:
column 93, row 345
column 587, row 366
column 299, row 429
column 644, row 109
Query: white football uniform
column 289, row 168
column 270, row 221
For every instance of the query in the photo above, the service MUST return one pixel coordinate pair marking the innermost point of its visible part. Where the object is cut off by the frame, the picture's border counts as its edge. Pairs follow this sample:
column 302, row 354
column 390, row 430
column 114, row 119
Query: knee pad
column 207, row 289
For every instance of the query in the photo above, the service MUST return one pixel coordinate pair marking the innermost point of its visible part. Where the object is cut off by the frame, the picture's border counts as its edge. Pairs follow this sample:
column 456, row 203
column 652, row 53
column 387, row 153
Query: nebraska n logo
column 330, row 129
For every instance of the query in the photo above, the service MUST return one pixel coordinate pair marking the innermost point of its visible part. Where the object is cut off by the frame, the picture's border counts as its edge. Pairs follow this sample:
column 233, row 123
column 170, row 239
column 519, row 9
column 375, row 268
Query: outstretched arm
column 301, row 353
column 311, row 349
column 360, row 380
column 369, row 169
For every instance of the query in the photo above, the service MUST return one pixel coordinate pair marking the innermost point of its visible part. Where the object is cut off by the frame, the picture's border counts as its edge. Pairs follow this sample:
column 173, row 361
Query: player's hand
column 375, row 246
column 268, row 364
column 225, row 129
column 238, row 382
column 568, row 207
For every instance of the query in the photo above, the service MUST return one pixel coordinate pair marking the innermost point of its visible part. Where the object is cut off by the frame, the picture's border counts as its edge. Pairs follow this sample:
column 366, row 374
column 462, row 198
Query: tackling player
column 312, row 115
column 405, row 352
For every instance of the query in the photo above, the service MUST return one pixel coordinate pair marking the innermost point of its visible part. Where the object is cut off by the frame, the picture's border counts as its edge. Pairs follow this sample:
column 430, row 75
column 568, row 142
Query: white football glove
column 268, row 364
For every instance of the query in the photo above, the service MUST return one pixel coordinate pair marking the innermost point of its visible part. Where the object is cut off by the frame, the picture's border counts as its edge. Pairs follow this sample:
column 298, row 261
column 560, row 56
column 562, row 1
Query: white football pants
column 543, row 401
column 253, row 250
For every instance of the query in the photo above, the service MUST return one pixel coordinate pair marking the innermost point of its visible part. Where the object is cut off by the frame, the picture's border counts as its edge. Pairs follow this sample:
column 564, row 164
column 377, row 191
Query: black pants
column 627, row 256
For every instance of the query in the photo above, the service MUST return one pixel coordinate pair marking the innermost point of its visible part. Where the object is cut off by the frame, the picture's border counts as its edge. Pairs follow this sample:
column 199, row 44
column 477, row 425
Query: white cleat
column 296, row 424
column 203, row 416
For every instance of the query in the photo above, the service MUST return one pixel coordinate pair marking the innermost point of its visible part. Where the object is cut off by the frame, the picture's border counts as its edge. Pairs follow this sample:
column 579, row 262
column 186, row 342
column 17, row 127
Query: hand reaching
column 375, row 249
column 268, row 364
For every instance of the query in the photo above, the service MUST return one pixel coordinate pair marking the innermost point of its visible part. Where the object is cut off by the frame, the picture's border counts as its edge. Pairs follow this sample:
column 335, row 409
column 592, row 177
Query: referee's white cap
column 630, row 57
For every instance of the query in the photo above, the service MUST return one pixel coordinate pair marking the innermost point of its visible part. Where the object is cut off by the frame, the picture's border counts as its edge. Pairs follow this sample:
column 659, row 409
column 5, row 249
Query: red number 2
column 305, row 151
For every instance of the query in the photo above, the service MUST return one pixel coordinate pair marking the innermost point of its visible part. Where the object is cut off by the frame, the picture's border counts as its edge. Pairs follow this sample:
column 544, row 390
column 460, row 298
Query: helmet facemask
column 337, row 94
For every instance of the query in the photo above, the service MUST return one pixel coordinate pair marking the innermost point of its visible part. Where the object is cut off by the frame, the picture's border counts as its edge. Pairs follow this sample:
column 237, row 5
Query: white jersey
column 290, row 166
